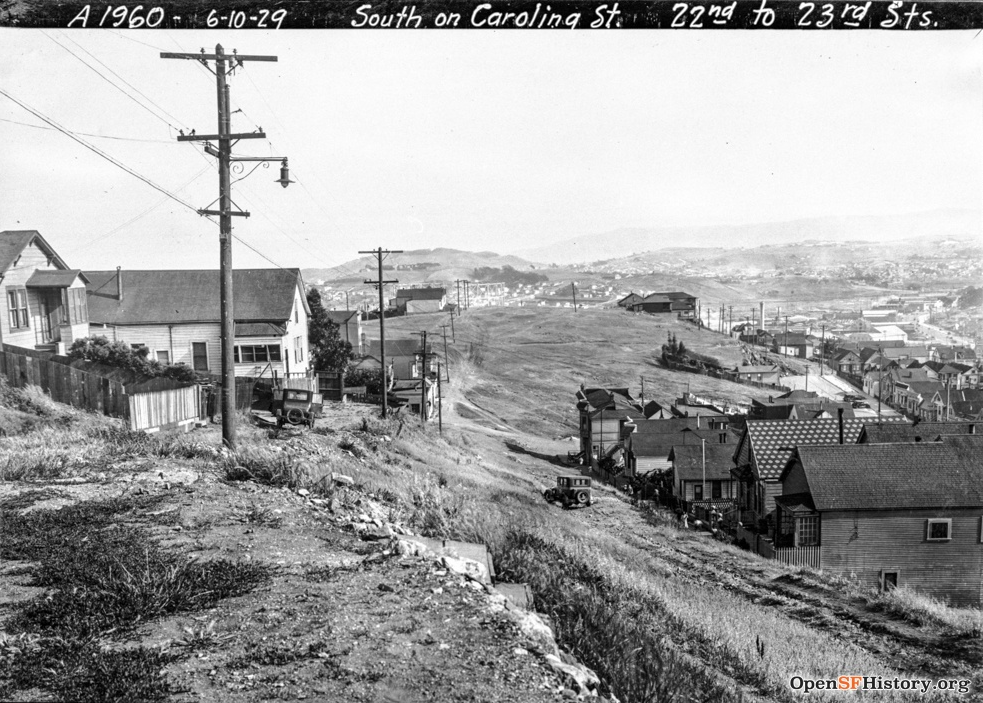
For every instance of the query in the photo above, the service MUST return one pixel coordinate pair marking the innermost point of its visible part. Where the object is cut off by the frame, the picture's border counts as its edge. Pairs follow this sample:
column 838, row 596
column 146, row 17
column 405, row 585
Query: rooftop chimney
column 697, row 420
column 839, row 412
column 119, row 283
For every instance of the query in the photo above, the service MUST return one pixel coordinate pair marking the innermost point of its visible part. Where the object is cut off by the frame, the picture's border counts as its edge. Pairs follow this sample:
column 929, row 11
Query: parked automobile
column 571, row 492
column 297, row 407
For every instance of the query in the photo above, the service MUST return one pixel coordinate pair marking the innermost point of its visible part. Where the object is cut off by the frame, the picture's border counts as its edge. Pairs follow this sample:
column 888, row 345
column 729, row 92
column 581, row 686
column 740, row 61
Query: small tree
column 329, row 352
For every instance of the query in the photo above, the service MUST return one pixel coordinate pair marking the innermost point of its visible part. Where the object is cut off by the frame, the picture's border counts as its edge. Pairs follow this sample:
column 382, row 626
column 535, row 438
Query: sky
column 479, row 140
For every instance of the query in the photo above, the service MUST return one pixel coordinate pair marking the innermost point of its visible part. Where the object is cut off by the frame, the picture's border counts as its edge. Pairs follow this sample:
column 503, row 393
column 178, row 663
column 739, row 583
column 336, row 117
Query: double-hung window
column 17, row 308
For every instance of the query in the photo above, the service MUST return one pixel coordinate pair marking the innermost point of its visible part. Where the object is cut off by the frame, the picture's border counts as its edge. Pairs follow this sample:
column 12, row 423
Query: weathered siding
column 174, row 339
column 297, row 330
column 605, row 431
column 771, row 490
column 866, row 543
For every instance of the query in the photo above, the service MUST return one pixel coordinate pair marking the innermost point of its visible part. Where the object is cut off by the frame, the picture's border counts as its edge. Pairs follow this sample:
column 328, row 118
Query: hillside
column 416, row 266
column 627, row 241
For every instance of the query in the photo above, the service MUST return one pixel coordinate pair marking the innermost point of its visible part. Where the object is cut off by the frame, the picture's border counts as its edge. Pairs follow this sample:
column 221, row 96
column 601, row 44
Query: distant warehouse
column 682, row 304
column 414, row 300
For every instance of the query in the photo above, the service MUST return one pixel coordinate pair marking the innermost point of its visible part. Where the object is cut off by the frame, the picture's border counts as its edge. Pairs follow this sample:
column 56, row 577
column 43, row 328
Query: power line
column 98, row 73
column 108, row 68
column 98, row 151
column 88, row 134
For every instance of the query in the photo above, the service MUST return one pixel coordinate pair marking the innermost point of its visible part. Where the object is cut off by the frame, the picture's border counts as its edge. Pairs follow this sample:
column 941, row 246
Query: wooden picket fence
column 145, row 404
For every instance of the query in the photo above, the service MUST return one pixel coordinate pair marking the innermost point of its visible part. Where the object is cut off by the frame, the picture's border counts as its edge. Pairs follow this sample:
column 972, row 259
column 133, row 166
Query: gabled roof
column 259, row 329
column 630, row 298
column 14, row 241
column 771, row 441
column 421, row 293
column 675, row 425
column 924, row 388
column 184, row 296
column 688, row 461
column 660, row 444
column 341, row 316
column 54, row 279
column 927, row 475
column 397, row 347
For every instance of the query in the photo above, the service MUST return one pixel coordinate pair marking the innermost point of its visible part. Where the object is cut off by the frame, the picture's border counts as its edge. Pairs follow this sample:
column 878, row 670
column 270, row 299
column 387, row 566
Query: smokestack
column 119, row 283
column 839, row 412
column 697, row 420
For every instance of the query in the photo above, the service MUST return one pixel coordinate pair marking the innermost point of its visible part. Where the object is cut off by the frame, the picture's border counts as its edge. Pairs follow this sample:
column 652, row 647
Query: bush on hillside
column 120, row 355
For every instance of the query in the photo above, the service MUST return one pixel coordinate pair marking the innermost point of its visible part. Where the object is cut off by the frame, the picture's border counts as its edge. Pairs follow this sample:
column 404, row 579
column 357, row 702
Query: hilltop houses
column 409, row 301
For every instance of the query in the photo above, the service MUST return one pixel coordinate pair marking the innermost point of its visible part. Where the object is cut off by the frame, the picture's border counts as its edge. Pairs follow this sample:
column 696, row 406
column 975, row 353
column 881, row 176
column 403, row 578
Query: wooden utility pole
column 225, row 213
column 447, row 359
column 786, row 337
column 574, row 286
column 423, row 379
column 822, row 351
column 381, row 284
column 731, row 331
column 453, row 334
column 440, row 404
column 459, row 281
column 467, row 295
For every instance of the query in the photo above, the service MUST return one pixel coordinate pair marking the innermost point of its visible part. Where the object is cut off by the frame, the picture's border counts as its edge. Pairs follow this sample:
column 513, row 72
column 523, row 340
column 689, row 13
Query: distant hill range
column 624, row 242
column 418, row 266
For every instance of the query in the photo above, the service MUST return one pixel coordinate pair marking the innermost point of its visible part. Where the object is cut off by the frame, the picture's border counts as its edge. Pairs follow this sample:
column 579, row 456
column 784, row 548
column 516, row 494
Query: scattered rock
column 467, row 567
column 303, row 492
column 583, row 679
column 374, row 532
column 342, row 479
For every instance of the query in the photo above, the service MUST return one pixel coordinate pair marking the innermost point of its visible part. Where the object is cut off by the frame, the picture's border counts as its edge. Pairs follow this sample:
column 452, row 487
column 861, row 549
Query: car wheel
column 295, row 416
column 583, row 497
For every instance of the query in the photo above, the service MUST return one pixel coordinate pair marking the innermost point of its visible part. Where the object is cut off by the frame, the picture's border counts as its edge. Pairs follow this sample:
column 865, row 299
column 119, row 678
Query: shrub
column 120, row 355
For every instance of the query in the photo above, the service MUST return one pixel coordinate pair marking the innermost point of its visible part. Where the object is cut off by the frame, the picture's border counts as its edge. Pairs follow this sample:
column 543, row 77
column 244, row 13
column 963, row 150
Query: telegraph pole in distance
column 423, row 379
column 440, row 404
column 225, row 138
column 467, row 295
column 447, row 360
column 573, row 285
column 453, row 334
column 382, row 322
column 458, row 282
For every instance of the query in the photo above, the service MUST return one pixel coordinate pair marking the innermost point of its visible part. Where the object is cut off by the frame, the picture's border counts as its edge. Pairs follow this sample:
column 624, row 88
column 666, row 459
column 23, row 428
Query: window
column 716, row 490
column 17, row 308
column 939, row 530
column 199, row 356
column 251, row 353
column 698, row 491
column 807, row 531
column 164, row 357
column 74, row 309
column 298, row 349
column 889, row 580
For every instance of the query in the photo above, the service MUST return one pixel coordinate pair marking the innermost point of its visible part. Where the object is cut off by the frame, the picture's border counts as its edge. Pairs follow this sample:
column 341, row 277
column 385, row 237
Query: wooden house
column 794, row 344
column 767, row 373
column 763, row 451
column 847, row 362
column 701, row 475
column 888, row 515
column 404, row 357
column 674, row 302
column 603, row 415
column 650, row 442
column 629, row 300
column 44, row 302
column 176, row 315
column 419, row 300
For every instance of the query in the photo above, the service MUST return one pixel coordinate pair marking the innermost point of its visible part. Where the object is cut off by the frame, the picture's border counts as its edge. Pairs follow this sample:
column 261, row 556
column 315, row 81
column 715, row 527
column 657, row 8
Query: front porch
column 59, row 312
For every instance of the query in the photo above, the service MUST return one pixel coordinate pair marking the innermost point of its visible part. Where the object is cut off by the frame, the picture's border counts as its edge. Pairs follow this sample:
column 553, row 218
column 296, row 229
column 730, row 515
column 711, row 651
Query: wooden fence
column 145, row 404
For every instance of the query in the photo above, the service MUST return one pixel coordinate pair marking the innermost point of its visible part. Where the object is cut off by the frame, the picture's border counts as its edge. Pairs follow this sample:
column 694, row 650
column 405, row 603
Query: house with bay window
column 176, row 315
column 44, row 300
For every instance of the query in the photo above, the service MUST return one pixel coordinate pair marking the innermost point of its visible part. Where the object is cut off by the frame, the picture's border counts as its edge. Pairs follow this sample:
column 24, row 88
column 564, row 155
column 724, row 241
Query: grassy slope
column 752, row 622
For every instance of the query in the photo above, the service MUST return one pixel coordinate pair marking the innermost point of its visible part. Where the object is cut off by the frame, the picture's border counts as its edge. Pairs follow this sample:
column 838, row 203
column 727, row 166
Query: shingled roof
column 185, row 296
column 771, row 441
column 688, row 461
column 879, row 433
column 941, row 475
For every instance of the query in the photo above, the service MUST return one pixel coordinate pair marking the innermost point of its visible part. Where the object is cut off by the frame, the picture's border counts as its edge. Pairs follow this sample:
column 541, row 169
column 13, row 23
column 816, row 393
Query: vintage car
column 571, row 492
column 297, row 407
